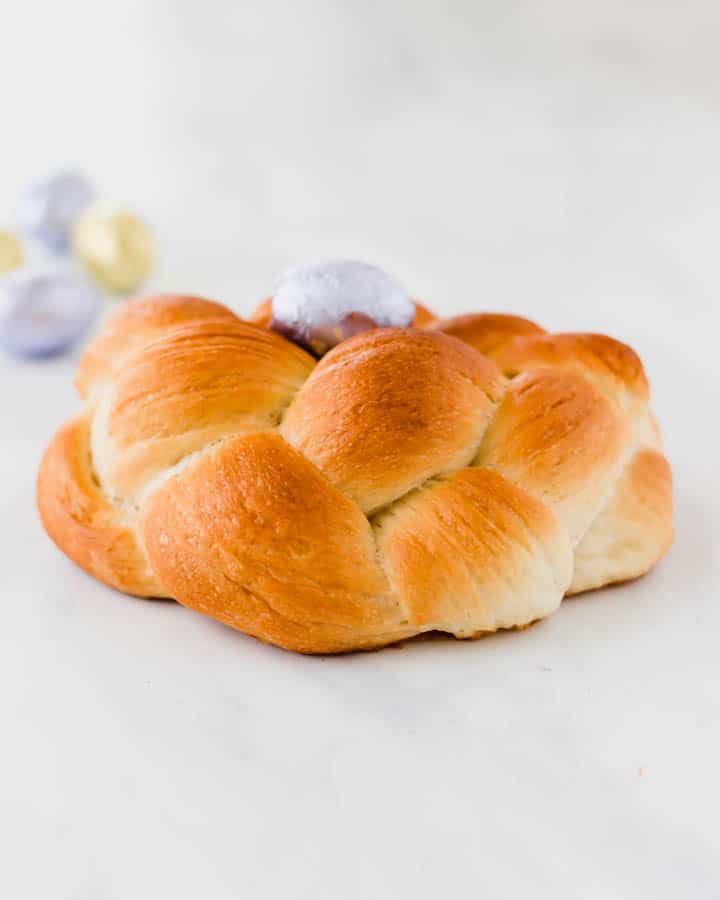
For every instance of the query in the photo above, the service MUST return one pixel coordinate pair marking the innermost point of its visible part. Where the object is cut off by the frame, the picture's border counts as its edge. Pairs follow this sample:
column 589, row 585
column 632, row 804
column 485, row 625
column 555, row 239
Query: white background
column 557, row 159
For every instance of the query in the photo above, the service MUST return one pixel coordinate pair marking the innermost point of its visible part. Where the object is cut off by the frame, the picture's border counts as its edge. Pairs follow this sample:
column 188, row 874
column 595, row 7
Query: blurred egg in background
column 65, row 255
column 48, row 208
column 11, row 254
column 116, row 248
column 45, row 312
column 557, row 160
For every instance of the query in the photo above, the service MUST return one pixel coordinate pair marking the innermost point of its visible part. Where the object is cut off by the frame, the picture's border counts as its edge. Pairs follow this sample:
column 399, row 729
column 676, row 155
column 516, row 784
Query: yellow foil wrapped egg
column 11, row 255
column 116, row 248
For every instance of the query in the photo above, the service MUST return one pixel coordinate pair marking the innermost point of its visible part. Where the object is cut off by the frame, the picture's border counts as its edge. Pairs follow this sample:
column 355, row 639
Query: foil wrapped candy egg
column 116, row 248
column 319, row 306
column 49, row 209
column 11, row 255
column 44, row 313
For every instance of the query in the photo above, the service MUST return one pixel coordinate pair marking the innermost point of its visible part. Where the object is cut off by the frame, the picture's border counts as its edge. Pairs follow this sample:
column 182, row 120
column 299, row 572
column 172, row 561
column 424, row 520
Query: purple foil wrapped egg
column 43, row 314
column 49, row 209
column 319, row 306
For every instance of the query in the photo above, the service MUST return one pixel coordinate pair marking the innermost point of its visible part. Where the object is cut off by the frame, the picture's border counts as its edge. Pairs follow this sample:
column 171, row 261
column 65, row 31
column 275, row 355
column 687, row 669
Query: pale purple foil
column 49, row 208
column 44, row 314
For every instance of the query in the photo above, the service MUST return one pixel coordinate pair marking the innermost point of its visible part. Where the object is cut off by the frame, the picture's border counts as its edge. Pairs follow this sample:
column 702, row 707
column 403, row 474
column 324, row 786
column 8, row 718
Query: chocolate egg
column 49, row 208
column 44, row 313
column 320, row 305
column 116, row 248
column 11, row 255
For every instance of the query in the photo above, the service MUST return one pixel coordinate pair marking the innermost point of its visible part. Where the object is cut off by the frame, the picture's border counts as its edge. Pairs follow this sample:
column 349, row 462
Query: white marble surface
column 556, row 158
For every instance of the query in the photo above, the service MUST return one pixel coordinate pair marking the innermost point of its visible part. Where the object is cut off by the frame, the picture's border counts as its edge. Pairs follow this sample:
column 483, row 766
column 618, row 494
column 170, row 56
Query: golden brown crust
column 203, row 382
column 82, row 523
column 423, row 316
column 633, row 531
column 138, row 322
column 284, row 556
column 262, row 314
column 471, row 553
column 613, row 367
column 250, row 472
column 486, row 332
column 557, row 437
column 374, row 416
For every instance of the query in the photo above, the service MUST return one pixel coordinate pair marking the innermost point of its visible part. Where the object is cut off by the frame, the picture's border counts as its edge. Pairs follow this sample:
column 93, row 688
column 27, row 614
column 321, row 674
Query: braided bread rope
column 404, row 483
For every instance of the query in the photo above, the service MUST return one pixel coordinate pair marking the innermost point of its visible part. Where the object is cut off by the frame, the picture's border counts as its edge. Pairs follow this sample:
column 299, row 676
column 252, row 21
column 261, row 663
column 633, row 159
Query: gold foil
column 11, row 255
column 116, row 248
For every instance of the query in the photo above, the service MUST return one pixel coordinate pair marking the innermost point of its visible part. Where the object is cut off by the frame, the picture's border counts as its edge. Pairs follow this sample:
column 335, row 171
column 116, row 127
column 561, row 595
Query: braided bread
column 461, row 476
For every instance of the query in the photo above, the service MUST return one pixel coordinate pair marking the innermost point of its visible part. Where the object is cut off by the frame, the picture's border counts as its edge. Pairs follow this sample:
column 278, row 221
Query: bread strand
column 123, row 547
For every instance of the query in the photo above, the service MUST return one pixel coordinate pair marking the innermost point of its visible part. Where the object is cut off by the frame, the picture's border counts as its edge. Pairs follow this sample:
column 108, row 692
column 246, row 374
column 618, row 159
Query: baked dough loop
column 460, row 476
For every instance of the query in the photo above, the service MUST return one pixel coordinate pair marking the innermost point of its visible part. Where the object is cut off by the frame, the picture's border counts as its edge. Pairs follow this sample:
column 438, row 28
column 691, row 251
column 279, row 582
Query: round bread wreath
column 462, row 475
